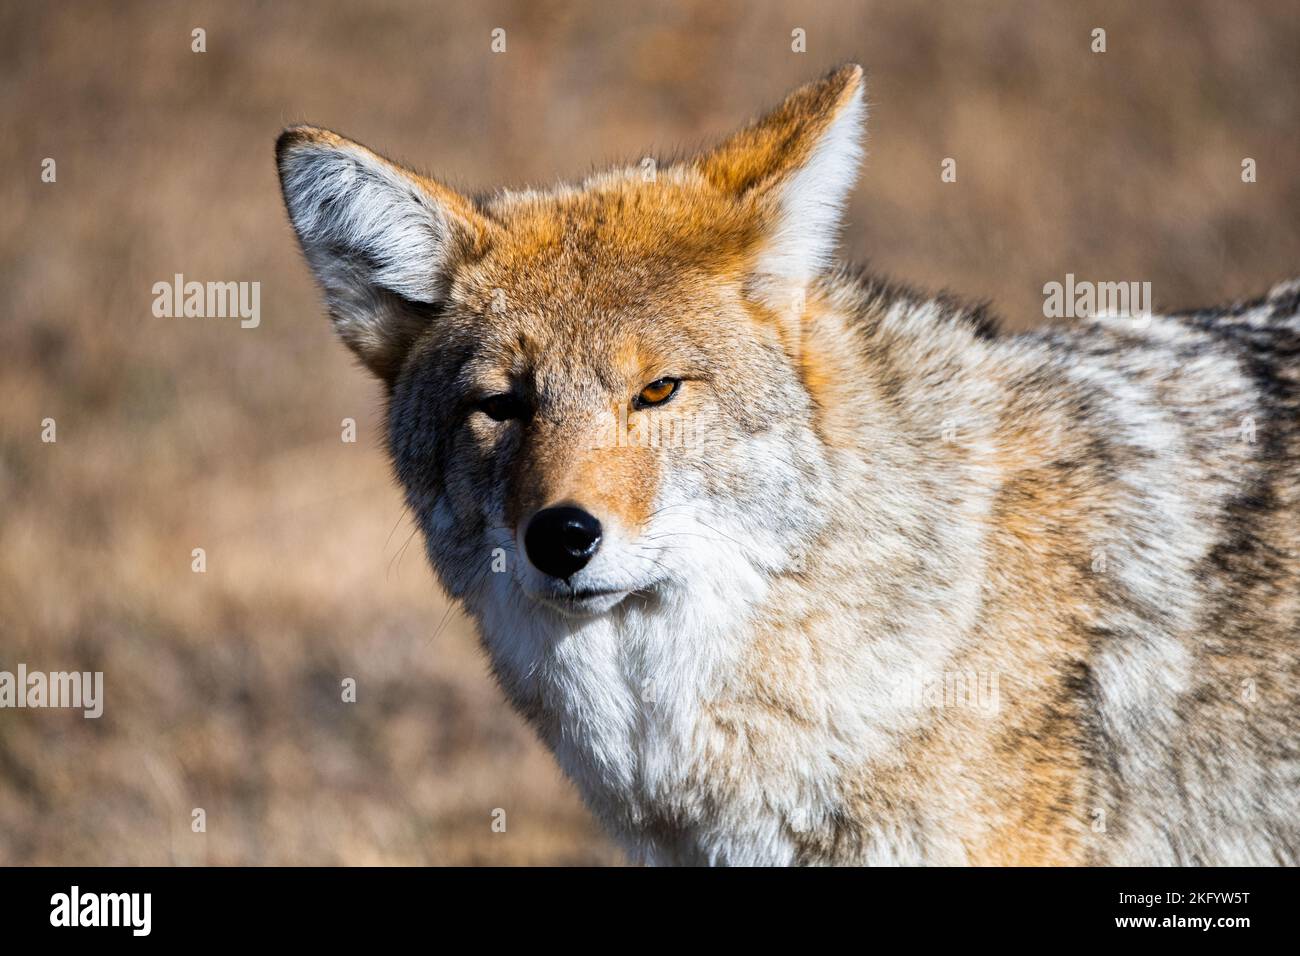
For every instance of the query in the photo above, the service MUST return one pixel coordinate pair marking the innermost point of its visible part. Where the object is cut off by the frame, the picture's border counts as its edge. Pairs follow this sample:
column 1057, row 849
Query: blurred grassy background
column 223, row 688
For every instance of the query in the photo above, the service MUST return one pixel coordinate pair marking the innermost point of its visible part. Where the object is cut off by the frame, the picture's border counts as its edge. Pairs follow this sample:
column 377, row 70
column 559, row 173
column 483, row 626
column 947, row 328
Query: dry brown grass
column 223, row 688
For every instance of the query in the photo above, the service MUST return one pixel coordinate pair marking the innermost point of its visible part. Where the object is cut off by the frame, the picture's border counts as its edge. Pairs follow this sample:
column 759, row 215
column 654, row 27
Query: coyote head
column 598, row 394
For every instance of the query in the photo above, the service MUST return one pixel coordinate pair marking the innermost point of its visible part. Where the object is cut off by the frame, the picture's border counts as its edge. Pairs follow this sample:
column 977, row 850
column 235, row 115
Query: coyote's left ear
column 383, row 241
column 795, row 167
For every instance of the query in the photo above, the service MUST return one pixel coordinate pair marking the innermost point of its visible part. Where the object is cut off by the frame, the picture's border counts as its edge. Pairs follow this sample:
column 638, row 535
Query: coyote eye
column 657, row 392
column 500, row 408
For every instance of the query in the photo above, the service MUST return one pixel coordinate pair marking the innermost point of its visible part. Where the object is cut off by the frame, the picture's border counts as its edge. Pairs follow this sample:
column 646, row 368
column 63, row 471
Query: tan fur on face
column 556, row 466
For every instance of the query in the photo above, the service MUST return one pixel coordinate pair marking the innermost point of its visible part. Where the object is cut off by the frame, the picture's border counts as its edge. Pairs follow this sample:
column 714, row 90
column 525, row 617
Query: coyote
column 761, row 645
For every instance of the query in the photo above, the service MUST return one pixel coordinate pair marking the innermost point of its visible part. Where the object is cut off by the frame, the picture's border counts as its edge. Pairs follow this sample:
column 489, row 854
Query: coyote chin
column 742, row 646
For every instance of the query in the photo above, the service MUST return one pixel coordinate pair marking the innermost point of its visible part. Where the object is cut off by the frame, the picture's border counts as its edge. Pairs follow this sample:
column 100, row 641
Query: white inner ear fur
column 812, row 200
column 348, row 204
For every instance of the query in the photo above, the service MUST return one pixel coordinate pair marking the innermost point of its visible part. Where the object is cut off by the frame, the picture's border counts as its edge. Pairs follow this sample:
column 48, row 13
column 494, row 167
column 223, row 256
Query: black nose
column 560, row 541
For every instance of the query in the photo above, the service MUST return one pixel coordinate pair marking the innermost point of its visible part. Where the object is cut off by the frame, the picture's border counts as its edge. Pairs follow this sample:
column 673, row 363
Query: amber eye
column 500, row 408
column 657, row 392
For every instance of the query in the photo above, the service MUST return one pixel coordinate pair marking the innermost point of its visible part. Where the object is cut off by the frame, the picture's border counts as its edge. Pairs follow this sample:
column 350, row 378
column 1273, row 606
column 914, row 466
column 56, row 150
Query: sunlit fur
column 1102, row 520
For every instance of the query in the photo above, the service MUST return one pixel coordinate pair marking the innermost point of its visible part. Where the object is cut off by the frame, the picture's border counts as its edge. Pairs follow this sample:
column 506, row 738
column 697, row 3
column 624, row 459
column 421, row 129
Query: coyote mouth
column 586, row 593
column 585, row 602
column 580, row 601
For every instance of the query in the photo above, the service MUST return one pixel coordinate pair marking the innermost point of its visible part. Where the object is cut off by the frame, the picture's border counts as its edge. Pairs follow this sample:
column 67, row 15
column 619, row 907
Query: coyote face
column 732, row 522
column 600, row 375
column 589, row 400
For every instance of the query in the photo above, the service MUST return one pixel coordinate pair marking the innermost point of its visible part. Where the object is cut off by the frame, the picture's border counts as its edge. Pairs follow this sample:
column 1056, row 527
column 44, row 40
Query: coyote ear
column 797, row 165
column 382, row 241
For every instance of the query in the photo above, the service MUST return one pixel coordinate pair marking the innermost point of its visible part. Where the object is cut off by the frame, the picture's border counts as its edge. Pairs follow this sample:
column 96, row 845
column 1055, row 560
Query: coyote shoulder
column 910, row 590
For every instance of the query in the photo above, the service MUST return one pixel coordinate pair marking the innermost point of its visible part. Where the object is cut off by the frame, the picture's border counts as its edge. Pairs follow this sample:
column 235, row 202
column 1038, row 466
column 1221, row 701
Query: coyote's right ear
column 796, row 167
column 382, row 241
